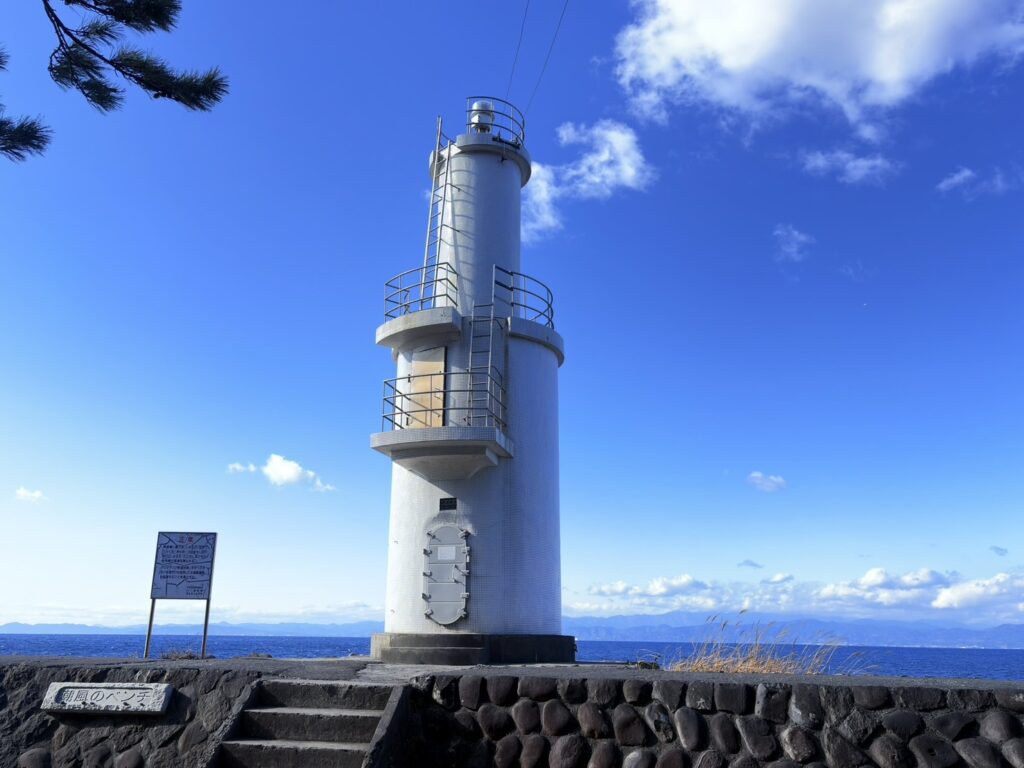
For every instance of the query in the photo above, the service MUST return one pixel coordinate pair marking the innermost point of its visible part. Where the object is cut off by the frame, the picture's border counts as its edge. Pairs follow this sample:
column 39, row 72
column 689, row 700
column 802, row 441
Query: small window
column 446, row 552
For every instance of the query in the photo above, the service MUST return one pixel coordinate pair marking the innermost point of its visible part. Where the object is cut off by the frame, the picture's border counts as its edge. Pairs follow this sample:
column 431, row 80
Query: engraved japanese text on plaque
column 108, row 698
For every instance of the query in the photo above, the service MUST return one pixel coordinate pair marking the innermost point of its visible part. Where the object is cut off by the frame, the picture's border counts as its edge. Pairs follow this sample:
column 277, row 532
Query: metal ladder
column 483, row 376
column 436, row 215
column 486, row 347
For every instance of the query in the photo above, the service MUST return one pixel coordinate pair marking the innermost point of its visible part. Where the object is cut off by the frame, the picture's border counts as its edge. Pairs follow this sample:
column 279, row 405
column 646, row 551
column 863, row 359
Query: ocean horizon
column 887, row 661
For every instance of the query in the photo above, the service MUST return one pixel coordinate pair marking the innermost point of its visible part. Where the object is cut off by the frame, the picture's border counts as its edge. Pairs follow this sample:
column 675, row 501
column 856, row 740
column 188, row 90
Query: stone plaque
column 184, row 566
column 108, row 698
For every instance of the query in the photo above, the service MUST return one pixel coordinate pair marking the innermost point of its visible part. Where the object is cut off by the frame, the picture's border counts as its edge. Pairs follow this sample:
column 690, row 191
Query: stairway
column 307, row 724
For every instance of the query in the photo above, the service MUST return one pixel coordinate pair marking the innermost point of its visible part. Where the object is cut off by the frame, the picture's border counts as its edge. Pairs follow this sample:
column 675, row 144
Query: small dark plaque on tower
column 450, row 504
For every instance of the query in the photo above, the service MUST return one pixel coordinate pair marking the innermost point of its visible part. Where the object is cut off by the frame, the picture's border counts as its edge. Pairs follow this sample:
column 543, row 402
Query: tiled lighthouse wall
column 665, row 720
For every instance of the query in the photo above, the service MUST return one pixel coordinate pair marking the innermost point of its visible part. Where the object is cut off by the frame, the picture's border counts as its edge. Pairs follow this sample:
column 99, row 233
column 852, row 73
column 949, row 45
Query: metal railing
column 420, row 288
column 488, row 114
column 461, row 399
column 526, row 296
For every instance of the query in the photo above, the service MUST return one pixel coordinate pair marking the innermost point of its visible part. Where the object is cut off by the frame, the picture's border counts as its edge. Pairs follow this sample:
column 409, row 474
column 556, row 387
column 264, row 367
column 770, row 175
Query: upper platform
column 421, row 308
column 497, row 126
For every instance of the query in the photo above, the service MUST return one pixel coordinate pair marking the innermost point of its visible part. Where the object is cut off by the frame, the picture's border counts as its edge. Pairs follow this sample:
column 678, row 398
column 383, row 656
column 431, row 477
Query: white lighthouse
column 470, row 422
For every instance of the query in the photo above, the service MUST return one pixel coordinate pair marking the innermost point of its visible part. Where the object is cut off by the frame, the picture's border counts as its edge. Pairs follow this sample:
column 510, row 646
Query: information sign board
column 183, row 568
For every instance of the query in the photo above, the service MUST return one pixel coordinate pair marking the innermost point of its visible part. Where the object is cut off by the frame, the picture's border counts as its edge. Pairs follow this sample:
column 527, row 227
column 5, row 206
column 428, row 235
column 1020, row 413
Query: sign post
column 182, row 570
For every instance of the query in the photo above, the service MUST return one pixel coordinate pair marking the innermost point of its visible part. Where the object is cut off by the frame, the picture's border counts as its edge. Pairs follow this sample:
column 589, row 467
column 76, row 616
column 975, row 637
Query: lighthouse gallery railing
column 465, row 399
column 526, row 296
column 500, row 118
column 420, row 288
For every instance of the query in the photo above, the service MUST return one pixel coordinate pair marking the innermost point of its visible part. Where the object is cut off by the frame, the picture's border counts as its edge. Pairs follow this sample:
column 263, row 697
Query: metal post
column 149, row 631
column 206, row 629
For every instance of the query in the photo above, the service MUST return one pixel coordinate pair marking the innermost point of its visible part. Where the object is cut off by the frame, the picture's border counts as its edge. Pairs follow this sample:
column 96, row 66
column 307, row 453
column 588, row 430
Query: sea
column 996, row 664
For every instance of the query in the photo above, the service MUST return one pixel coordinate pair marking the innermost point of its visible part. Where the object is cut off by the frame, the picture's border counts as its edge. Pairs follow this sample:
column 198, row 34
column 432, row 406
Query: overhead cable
column 547, row 58
column 515, row 60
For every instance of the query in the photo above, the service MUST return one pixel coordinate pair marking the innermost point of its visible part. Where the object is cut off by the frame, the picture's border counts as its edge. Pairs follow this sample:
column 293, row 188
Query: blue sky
column 785, row 243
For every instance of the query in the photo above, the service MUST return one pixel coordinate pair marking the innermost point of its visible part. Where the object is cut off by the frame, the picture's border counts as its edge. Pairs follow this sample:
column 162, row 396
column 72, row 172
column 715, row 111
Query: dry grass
column 761, row 652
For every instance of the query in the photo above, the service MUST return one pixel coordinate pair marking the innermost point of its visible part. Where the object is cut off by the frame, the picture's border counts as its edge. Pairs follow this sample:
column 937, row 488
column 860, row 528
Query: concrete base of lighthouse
column 461, row 649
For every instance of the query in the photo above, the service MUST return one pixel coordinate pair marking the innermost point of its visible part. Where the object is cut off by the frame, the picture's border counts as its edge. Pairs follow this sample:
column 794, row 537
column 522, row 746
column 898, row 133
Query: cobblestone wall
column 204, row 705
column 668, row 721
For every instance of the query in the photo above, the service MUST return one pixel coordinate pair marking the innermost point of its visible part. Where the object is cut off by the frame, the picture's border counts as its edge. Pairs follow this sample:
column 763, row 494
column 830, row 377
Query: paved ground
column 365, row 669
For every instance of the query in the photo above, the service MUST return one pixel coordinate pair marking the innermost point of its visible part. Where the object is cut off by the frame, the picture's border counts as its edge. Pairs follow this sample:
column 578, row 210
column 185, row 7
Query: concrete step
column 323, row 694
column 292, row 754
column 434, row 655
column 308, row 724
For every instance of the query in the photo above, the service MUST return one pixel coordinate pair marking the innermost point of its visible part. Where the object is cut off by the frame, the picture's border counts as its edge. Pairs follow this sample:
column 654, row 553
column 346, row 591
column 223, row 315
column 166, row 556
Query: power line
column 519, row 45
column 551, row 47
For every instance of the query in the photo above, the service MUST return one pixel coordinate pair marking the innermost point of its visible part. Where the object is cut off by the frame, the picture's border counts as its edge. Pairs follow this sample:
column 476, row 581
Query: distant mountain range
column 804, row 630
column 668, row 627
column 354, row 629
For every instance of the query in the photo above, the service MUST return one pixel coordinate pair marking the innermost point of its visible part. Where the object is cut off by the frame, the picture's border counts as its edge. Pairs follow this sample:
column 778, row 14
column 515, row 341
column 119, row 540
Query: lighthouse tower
column 470, row 421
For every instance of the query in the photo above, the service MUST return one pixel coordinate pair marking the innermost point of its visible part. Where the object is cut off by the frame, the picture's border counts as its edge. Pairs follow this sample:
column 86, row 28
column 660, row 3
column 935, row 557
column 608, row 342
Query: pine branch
column 140, row 15
column 195, row 90
column 77, row 62
column 23, row 136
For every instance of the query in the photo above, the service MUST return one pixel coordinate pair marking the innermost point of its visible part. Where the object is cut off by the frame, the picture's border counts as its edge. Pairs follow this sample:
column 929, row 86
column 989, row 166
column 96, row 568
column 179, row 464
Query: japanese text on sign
column 184, row 566
column 112, row 698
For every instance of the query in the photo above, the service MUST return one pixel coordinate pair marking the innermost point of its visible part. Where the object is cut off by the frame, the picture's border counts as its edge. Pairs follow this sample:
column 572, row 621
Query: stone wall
column 675, row 721
column 207, row 700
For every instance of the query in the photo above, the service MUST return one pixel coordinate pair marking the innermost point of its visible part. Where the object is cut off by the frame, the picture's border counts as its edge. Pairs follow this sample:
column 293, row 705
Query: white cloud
column 998, row 183
column 322, row 487
column 540, row 211
column 611, row 160
column 875, row 577
column 917, row 594
column 689, row 593
column 31, row 497
column 281, row 471
column 748, row 564
column 972, row 185
column 665, row 587
column 761, row 56
column 615, row 588
column 848, row 167
column 661, row 586
column 791, row 242
column 677, row 602
column 956, row 179
column 925, row 577
column 854, row 271
column 766, row 483
column 853, row 594
column 979, row 592
column 877, row 587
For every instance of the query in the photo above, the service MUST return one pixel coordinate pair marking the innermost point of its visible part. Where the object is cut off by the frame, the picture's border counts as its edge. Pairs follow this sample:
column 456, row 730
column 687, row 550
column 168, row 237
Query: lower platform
column 466, row 649
column 444, row 453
